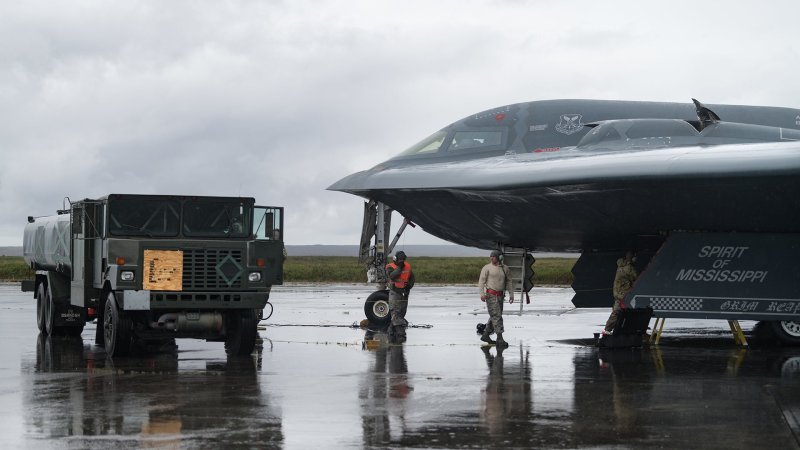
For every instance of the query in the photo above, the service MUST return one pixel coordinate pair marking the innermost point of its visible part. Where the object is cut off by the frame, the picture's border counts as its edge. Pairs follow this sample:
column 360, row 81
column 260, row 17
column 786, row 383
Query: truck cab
column 155, row 267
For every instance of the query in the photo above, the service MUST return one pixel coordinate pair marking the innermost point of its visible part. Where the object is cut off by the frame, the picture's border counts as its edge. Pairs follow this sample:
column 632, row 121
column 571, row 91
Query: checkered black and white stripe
column 676, row 303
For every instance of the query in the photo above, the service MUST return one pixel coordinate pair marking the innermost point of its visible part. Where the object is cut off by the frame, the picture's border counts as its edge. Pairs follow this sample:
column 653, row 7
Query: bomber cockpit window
column 430, row 144
column 474, row 140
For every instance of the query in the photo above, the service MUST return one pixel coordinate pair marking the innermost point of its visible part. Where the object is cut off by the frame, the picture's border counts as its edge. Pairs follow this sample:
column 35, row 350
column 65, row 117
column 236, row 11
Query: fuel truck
column 150, row 268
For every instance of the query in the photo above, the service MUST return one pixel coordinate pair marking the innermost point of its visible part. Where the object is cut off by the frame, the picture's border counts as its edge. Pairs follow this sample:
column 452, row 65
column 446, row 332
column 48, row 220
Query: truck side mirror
column 31, row 219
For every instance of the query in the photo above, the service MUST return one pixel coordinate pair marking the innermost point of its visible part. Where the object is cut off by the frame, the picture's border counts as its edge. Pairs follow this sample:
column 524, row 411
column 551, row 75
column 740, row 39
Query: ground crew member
column 623, row 282
column 401, row 281
column 493, row 281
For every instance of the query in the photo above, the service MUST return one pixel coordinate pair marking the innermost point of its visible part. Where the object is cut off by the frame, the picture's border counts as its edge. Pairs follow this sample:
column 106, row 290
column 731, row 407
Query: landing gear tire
column 377, row 308
column 241, row 332
column 41, row 308
column 787, row 331
column 117, row 329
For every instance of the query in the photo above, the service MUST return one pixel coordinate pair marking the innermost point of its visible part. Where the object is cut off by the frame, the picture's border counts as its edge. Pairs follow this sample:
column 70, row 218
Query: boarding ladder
column 516, row 259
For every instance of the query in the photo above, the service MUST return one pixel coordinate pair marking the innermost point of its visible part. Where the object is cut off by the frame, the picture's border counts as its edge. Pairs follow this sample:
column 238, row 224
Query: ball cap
column 496, row 253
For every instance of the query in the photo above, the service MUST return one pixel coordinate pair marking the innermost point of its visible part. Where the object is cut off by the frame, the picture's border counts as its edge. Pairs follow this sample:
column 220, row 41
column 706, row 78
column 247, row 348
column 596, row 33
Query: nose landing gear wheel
column 377, row 308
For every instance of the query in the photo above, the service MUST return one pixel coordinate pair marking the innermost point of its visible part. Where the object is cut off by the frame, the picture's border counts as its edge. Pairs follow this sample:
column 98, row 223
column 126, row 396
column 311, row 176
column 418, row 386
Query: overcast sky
column 277, row 100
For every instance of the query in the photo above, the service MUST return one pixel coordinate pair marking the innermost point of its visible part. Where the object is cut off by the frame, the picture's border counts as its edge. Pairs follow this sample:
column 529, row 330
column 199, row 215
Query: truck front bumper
column 148, row 300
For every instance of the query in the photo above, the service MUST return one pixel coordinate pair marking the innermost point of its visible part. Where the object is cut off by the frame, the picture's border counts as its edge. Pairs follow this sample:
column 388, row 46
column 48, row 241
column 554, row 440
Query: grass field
column 13, row 268
column 344, row 269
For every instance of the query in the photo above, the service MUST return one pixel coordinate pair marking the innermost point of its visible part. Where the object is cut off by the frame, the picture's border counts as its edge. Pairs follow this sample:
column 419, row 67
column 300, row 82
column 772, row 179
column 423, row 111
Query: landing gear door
column 267, row 248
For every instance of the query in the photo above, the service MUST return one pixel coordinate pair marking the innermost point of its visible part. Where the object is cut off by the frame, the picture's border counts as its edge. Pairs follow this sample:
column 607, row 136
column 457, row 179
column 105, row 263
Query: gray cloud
column 277, row 100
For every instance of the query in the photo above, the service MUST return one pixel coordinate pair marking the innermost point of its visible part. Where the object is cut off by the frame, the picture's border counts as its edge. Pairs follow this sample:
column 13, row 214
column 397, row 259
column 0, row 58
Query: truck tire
column 41, row 308
column 377, row 308
column 787, row 331
column 117, row 329
column 49, row 314
column 241, row 332
column 46, row 316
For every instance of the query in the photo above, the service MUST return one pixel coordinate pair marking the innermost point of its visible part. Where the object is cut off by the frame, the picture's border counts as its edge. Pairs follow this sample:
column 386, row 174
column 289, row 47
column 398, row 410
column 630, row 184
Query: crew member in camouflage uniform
column 401, row 281
column 493, row 281
column 623, row 282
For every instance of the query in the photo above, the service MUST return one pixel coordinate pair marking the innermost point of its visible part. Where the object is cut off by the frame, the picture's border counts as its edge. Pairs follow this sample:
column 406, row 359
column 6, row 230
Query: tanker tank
column 46, row 243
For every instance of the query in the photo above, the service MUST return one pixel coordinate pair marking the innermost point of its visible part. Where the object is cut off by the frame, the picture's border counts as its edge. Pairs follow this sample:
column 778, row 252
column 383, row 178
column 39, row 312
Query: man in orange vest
column 401, row 280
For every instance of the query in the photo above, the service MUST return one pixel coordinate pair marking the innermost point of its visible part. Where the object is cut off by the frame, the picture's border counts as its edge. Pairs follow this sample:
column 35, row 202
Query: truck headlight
column 126, row 275
column 254, row 276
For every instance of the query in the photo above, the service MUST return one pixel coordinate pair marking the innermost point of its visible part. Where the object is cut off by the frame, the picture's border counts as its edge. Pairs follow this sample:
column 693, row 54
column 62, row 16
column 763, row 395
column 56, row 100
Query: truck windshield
column 215, row 218
column 137, row 217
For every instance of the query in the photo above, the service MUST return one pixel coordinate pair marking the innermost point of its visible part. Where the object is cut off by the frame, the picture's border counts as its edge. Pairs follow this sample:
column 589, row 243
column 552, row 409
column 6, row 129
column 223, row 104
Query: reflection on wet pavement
column 95, row 402
column 335, row 386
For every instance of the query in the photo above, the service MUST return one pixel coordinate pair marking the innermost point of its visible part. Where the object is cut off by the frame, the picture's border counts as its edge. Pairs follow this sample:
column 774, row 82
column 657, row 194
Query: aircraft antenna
column 705, row 115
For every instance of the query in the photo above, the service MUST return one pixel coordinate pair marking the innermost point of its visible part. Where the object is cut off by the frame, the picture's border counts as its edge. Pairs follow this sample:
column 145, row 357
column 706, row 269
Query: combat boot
column 486, row 338
column 500, row 341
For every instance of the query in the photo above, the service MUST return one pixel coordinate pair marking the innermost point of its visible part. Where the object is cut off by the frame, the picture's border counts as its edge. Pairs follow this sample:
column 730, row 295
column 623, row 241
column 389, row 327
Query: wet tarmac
column 314, row 383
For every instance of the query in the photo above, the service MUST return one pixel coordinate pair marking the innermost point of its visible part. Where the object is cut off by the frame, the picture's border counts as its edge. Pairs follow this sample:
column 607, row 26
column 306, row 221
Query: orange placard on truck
column 163, row 270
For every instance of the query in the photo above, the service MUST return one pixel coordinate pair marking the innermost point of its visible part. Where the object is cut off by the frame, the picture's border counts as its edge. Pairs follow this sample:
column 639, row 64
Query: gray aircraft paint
column 542, row 191
column 573, row 166
column 622, row 176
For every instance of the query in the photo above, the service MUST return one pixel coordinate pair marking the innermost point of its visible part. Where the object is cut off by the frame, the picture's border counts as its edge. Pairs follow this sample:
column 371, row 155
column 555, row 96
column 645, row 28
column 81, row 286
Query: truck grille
column 212, row 269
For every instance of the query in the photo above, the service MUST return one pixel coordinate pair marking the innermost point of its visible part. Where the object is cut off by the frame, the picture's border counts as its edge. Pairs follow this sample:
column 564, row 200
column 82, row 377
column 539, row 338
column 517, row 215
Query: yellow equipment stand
column 658, row 326
column 736, row 329
column 738, row 334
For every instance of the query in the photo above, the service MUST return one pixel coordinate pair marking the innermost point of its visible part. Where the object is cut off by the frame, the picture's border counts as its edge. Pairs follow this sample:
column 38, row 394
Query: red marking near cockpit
column 546, row 149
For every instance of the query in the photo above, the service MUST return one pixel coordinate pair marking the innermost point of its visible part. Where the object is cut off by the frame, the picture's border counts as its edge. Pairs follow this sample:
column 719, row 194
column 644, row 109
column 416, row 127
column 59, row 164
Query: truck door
column 268, row 223
column 83, row 231
column 268, row 235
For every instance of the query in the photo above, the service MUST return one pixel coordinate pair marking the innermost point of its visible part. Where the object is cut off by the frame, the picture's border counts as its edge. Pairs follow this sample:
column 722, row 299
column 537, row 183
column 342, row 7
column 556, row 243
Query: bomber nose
column 351, row 183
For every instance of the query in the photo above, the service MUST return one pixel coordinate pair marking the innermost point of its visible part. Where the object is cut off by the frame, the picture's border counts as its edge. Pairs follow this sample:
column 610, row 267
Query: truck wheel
column 787, row 331
column 117, row 328
column 377, row 308
column 49, row 314
column 41, row 308
column 241, row 332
